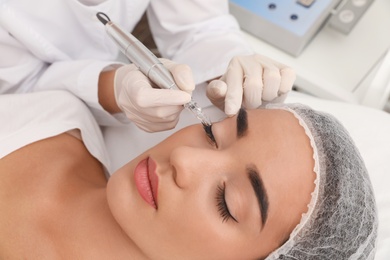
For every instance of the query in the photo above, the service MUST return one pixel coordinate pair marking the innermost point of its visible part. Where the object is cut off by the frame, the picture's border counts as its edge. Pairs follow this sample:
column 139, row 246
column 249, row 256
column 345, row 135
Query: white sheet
column 368, row 127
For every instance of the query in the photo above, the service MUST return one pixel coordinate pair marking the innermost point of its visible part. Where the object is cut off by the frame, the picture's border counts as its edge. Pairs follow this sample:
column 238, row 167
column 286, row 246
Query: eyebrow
column 253, row 173
column 242, row 123
column 260, row 192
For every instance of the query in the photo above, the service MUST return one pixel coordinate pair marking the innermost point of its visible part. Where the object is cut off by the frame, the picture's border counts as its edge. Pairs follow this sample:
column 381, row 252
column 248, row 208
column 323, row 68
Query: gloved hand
column 152, row 109
column 249, row 81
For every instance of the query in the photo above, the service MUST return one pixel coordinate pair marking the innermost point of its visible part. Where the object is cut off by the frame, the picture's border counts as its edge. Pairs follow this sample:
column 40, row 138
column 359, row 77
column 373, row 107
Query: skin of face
column 187, row 223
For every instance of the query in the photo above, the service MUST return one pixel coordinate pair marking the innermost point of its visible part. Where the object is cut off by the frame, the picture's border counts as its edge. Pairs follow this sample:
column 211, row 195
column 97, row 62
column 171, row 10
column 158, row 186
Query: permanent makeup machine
column 291, row 24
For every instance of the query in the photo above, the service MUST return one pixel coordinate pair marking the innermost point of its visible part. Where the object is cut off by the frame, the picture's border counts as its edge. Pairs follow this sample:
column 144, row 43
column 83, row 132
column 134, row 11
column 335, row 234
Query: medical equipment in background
column 146, row 62
column 290, row 24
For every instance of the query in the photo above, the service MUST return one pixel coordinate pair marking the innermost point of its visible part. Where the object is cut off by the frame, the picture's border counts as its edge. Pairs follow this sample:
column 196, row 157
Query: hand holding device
column 250, row 81
column 150, row 66
column 152, row 109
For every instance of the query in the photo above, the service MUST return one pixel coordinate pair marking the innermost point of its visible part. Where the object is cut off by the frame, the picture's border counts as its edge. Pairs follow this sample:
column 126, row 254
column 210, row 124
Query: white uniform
column 60, row 44
column 26, row 119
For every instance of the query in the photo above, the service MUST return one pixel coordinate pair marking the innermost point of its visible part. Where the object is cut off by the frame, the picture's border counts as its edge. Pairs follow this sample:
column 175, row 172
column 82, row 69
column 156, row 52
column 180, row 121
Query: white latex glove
column 152, row 109
column 250, row 81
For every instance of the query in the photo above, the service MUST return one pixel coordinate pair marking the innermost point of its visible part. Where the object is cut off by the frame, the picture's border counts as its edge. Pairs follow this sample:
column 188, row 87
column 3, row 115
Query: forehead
column 276, row 130
column 279, row 143
column 285, row 161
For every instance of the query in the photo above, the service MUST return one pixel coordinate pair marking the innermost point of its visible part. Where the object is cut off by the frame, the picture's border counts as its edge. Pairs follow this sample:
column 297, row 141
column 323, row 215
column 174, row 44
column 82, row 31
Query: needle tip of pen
column 205, row 124
column 102, row 17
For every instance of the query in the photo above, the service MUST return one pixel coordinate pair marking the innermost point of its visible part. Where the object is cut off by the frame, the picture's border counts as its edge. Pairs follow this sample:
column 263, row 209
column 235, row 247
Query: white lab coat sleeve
column 22, row 72
column 80, row 77
column 199, row 33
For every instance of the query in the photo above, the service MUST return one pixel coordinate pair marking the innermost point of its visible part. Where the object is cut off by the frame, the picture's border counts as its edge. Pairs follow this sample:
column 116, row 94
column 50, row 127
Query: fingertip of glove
column 230, row 111
column 230, row 115
column 181, row 97
column 216, row 88
column 185, row 82
column 183, row 77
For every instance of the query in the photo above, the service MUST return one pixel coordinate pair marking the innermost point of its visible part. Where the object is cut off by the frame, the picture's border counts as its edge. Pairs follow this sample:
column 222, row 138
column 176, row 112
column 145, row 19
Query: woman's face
column 237, row 198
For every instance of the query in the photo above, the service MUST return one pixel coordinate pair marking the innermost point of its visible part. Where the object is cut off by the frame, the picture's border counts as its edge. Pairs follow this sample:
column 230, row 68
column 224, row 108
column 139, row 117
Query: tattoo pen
column 147, row 62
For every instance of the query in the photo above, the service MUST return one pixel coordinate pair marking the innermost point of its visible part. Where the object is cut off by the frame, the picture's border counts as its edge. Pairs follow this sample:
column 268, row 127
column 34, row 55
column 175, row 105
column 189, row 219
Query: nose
column 192, row 166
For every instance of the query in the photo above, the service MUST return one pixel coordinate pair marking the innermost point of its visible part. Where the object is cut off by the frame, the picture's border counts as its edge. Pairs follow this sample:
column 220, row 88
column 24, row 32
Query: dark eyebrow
column 242, row 123
column 253, row 173
column 261, row 193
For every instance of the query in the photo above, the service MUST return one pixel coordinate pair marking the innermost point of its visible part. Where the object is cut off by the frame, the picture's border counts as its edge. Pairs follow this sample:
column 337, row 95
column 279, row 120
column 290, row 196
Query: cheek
column 190, row 229
column 120, row 194
column 196, row 229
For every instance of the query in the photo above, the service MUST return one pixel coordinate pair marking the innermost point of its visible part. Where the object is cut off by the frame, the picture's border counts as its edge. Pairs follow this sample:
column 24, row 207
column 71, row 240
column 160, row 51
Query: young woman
column 283, row 182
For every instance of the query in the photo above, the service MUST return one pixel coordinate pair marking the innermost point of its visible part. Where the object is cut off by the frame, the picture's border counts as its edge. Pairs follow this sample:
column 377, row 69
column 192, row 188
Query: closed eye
column 210, row 135
column 222, row 205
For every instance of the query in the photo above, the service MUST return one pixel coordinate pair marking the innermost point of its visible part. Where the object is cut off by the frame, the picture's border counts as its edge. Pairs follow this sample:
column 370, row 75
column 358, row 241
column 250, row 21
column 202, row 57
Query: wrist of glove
column 152, row 109
column 250, row 81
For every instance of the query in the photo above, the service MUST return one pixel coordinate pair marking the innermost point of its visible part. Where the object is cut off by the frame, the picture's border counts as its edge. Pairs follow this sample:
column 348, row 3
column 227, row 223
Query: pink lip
column 146, row 181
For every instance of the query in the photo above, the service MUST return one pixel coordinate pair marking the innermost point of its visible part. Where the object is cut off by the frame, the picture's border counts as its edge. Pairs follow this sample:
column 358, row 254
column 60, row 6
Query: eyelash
column 210, row 135
column 220, row 196
column 221, row 204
